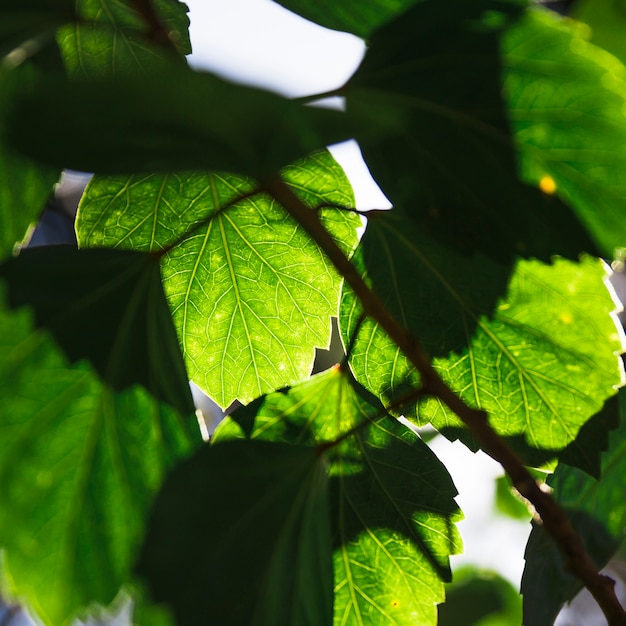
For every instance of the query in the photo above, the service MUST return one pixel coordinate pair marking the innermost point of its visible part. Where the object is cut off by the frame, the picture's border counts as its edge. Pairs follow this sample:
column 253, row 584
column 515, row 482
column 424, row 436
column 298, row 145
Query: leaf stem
column 577, row 560
column 157, row 30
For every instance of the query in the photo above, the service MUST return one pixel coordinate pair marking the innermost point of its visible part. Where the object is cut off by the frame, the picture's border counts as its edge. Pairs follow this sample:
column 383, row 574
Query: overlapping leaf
column 24, row 185
column 171, row 121
column 607, row 20
column 111, row 38
column 33, row 21
column 251, row 294
column 83, row 448
column 357, row 17
column 597, row 511
column 240, row 536
column 438, row 139
column 566, row 101
column 393, row 507
column 541, row 365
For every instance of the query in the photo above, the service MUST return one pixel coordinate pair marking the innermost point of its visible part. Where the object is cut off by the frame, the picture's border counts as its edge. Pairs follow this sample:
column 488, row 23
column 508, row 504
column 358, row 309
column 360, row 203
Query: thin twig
column 577, row 560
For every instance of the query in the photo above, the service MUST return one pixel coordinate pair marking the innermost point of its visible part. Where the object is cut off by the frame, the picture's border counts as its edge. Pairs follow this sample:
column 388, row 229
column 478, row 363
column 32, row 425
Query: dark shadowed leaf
column 480, row 598
column 173, row 121
column 251, row 295
column 597, row 510
column 24, row 184
column 541, row 364
column 359, row 17
column 566, row 101
column 438, row 139
column 79, row 466
column 240, row 536
column 393, row 509
column 33, row 21
column 106, row 306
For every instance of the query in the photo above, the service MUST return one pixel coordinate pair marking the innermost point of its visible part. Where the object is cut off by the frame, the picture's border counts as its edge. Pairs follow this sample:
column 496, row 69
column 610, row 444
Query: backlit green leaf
column 440, row 145
column 240, row 536
column 541, row 364
column 607, row 20
column 79, row 461
column 393, row 507
column 111, row 38
column 251, row 295
column 567, row 99
column 597, row 511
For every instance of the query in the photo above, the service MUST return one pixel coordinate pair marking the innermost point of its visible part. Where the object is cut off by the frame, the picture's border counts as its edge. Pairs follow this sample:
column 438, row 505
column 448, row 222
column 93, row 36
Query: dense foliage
column 214, row 242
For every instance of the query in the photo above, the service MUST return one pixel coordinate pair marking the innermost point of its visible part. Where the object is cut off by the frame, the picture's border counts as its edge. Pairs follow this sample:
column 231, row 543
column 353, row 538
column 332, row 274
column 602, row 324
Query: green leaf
column 240, row 536
column 508, row 503
column 393, row 507
column 606, row 19
column 79, row 466
column 111, row 38
column 359, row 17
column 541, row 365
column 251, row 294
column 24, row 185
column 106, row 306
column 597, row 511
column 172, row 121
column 480, row 598
column 566, row 99
column 441, row 147
column 32, row 20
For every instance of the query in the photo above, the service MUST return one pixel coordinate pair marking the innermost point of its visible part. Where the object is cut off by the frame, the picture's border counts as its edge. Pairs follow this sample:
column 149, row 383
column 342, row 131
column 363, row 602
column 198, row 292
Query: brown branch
column 577, row 560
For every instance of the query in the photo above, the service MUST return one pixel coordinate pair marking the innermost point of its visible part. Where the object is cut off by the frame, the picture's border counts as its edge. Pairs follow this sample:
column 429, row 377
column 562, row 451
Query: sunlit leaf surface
column 393, row 507
column 541, row 364
column 250, row 293
column 81, row 461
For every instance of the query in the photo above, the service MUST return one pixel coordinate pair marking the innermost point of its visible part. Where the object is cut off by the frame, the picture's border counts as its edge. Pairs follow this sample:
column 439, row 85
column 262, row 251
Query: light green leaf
column 240, row 536
column 567, row 100
column 111, row 40
column 541, row 365
column 251, row 294
column 79, row 461
column 24, row 185
column 393, row 507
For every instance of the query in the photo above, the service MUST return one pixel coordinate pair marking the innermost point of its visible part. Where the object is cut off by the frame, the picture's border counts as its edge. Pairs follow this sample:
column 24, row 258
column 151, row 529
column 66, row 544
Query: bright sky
column 258, row 42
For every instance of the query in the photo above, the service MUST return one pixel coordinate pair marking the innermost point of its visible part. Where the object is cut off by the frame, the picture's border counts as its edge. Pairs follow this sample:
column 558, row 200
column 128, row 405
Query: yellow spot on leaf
column 566, row 318
column 547, row 185
column 395, row 603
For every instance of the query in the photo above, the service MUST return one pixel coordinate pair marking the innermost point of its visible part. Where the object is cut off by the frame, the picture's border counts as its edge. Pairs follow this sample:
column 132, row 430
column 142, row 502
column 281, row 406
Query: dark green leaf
column 24, row 185
column 509, row 503
column 34, row 21
column 106, row 306
column 240, row 536
column 566, row 100
column 79, row 466
column 111, row 39
column 437, row 137
column 173, row 121
column 541, row 365
column 597, row 510
column 393, row 507
column 478, row 598
column 359, row 17
column 250, row 293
